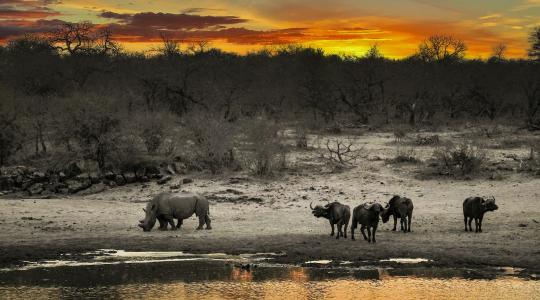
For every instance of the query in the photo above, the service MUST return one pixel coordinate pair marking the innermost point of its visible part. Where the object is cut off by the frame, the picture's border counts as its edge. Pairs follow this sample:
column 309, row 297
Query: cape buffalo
column 399, row 207
column 336, row 213
column 476, row 207
column 166, row 207
column 367, row 215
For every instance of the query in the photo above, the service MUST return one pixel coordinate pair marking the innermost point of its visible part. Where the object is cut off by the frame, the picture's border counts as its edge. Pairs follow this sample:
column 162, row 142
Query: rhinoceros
column 166, row 207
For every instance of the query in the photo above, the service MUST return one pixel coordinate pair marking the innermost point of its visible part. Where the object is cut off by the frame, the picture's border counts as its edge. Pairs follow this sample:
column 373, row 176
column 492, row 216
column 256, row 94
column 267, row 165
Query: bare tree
column 83, row 38
column 534, row 39
column 441, row 48
column 342, row 150
column 498, row 51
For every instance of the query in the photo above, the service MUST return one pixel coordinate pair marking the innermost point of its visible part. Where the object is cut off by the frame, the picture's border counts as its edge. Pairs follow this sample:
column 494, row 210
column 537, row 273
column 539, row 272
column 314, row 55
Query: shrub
column 428, row 140
column 265, row 152
column 213, row 142
column 9, row 138
column 463, row 159
column 301, row 138
column 405, row 155
column 153, row 130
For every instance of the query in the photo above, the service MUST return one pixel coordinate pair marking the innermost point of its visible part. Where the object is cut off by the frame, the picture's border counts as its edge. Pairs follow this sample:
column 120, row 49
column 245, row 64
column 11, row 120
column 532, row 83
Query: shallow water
column 127, row 275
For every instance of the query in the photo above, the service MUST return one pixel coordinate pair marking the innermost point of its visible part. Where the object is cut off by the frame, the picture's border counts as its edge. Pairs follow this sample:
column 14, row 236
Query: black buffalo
column 476, row 207
column 337, row 213
column 399, row 207
column 367, row 215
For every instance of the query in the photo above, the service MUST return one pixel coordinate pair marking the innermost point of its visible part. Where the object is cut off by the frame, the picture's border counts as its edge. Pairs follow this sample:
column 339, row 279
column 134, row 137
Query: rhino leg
column 170, row 220
column 162, row 223
column 179, row 224
column 207, row 221
column 201, row 222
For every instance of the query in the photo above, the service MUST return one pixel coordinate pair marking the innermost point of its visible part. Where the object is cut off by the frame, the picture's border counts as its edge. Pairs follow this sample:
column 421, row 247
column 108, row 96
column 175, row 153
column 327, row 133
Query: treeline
column 76, row 90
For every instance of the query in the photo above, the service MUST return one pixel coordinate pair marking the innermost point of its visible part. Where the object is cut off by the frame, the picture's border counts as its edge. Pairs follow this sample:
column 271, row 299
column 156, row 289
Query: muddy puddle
column 113, row 274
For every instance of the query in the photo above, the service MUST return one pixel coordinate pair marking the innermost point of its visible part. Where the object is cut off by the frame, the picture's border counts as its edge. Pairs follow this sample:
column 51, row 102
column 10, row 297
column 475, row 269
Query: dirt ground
column 272, row 215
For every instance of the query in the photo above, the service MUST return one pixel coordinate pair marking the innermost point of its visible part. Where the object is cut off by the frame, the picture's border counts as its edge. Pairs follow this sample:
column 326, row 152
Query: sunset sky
column 337, row 26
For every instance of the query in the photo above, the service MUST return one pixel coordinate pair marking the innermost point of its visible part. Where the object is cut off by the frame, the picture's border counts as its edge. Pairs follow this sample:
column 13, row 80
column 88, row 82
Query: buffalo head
column 319, row 211
column 489, row 204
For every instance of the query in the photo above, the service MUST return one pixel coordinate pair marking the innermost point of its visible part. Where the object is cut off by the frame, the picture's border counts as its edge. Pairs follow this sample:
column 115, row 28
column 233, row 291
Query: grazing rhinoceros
column 475, row 208
column 166, row 207
column 337, row 213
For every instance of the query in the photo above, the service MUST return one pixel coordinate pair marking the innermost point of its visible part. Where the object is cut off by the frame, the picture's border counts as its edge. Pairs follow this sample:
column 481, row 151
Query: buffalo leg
column 332, row 225
column 480, row 223
column 345, row 230
column 369, row 234
column 340, row 229
column 403, row 223
column 202, row 220
column 395, row 222
column 374, row 230
column 353, row 227
column 409, row 218
column 362, row 228
column 180, row 222
column 207, row 221
column 470, row 221
column 475, row 224
column 465, row 220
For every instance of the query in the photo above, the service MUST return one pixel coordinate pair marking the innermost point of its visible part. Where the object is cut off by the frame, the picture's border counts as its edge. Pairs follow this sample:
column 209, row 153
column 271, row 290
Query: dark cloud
column 168, row 21
column 9, row 13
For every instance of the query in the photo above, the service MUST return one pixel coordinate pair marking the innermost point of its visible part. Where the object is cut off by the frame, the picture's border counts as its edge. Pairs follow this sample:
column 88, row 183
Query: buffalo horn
column 311, row 206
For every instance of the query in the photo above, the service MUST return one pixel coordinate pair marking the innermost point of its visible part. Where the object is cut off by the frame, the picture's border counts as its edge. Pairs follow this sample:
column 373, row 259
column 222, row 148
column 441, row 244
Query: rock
column 62, row 176
column 94, row 189
column 140, row 172
column 130, row 177
column 180, row 167
column 95, row 177
column 187, row 180
column 175, row 186
column 152, row 171
column 119, row 180
column 74, row 186
column 83, row 176
column 110, row 175
column 72, row 170
column 35, row 189
column 164, row 179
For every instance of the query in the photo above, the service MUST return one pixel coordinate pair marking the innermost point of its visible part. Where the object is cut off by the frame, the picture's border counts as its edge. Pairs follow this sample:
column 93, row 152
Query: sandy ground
column 281, row 220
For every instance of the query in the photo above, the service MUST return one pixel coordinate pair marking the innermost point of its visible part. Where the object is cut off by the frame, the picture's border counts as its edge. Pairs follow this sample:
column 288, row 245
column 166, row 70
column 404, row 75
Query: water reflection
column 221, row 280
